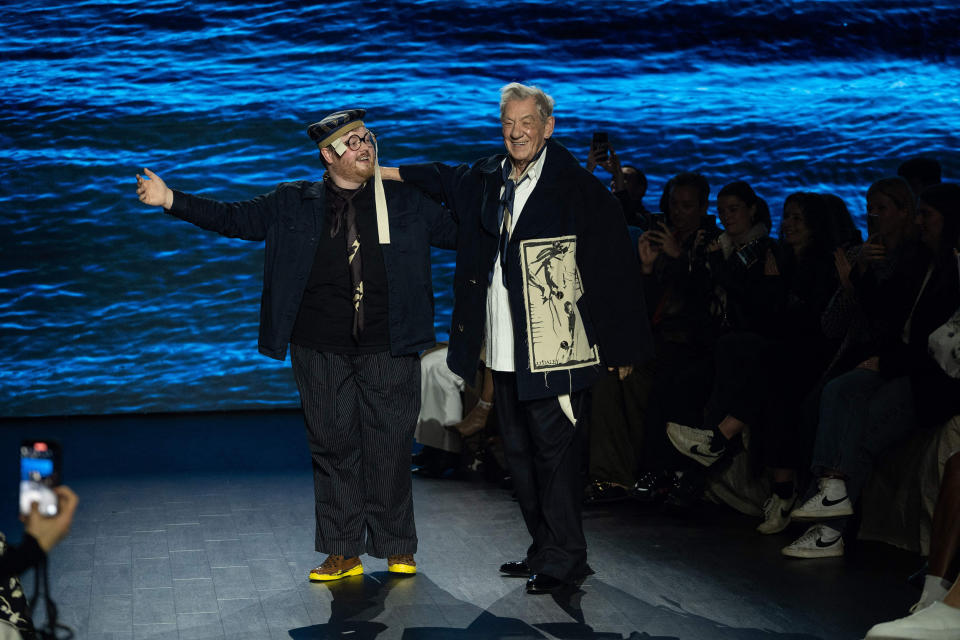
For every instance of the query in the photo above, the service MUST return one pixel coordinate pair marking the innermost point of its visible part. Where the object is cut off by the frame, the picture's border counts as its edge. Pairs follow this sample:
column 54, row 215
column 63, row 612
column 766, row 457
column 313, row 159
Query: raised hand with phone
column 46, row 509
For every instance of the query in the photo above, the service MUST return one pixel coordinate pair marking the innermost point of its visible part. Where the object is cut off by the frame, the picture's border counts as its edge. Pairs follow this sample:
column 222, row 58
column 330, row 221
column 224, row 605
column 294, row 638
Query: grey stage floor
column 202, row 527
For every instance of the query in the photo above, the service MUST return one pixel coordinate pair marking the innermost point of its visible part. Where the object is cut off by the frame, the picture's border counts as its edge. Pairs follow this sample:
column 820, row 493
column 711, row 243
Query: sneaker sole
column 821, row 515
column 326, row 577
column 768, row 531
column 813, row 553
column 406, row 569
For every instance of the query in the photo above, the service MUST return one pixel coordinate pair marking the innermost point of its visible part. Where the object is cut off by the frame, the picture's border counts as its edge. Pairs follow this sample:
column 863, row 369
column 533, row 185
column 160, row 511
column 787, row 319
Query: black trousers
column 543, row 451
column 360, row 413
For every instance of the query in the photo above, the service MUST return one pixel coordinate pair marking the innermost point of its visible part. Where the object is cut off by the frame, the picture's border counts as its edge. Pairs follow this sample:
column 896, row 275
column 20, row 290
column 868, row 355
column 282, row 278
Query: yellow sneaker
column 336, row 567
column 402, row 563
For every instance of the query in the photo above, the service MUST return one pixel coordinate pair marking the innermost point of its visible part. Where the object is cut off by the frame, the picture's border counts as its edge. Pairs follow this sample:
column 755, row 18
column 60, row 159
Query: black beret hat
column 335, row 125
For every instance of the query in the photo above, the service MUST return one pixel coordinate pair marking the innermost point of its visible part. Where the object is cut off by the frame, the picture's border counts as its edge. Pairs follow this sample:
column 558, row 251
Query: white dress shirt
column 499, row 323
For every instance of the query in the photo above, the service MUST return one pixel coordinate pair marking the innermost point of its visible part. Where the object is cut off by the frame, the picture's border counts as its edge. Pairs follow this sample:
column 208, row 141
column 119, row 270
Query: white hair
column 517, row 91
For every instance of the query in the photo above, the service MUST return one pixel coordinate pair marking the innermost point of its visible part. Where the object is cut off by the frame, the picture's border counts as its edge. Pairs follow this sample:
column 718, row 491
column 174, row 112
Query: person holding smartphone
column 628, row 183
column 41, row 534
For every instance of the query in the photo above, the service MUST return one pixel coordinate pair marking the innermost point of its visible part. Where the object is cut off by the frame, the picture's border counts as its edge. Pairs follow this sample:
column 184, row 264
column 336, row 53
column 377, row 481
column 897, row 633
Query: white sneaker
column 937, row 622
column 819, row 541
column 693, row 443
column 934, row 588
column 830, row 501
column 776, row 514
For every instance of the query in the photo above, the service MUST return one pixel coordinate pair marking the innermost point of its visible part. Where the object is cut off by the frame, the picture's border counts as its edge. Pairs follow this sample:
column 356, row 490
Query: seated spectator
column 895, row 390
column 627, row 183
column 800, row 351
column 890, row 259
column 748, row 296
column 920, row 172
column 937, row 613
column 441, row 424
column 40, row 535
column 673, row 385
column 843, row 228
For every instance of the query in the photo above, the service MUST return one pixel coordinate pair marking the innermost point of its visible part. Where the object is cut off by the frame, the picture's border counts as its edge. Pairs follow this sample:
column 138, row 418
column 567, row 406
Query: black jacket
column 290, row 219
column 569, row 211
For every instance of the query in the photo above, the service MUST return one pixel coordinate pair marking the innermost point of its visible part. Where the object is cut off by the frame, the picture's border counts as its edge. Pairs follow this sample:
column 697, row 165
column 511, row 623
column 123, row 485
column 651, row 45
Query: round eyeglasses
column 354, row 142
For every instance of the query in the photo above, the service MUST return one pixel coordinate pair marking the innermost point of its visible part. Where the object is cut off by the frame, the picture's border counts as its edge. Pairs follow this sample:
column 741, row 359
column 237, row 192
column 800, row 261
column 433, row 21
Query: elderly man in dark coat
column 547, row 277
column 348, row 286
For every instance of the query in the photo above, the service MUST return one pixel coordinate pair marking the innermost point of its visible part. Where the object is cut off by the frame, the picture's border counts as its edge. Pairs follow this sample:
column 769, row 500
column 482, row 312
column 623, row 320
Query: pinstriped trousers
column 360, row 413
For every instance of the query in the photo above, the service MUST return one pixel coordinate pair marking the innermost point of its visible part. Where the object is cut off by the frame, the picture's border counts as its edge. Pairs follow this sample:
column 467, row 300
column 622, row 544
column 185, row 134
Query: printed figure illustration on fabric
column 552, row 288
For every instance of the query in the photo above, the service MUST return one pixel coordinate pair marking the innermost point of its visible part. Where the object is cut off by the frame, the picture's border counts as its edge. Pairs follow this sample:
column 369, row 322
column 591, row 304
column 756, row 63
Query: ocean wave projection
column 108, row 306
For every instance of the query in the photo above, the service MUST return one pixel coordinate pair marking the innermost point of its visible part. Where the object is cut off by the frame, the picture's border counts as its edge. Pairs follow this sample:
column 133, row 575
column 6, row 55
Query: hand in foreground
column 648, row 253
column 49, row 530
column 844, row 268
column 154, row 191
column 612, row 164
column 622, row 372
column 770, row 265
column 871, row 252
column 871, row 364
column 593, row 158
column 665, row 239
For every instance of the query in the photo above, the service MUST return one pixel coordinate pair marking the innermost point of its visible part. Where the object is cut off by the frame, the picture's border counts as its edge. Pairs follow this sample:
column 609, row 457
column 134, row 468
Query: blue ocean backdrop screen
column 109, row 306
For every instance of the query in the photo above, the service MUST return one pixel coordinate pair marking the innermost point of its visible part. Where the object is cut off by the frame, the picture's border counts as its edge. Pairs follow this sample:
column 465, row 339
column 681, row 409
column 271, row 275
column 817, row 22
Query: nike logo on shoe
column 832, row 503
column 820, row 543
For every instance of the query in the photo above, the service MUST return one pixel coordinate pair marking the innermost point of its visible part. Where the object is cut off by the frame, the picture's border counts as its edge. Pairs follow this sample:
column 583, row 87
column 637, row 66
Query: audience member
column 920, row 172
column 800, row 351
column 890, row 260
column 844, row 229
column 442, row 425
column 40, row 534
column 627, row 183
column 894, row 390
column 937, row 613
column 441, row 404
column 748, row 299
column 677, row 289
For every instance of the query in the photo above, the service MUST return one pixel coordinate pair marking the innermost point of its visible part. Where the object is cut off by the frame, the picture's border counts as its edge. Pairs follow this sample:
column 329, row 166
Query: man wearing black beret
column 346, row 283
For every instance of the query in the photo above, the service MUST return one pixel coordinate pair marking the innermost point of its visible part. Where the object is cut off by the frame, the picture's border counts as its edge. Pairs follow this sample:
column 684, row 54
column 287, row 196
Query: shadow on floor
column 358, row 601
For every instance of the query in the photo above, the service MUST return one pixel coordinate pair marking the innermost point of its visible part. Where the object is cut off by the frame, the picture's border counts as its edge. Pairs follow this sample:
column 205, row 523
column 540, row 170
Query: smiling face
column 793, row 228
column 524, row 131
column 885, row 216
column 736, row 216
column 354, row 167
column 931, row 225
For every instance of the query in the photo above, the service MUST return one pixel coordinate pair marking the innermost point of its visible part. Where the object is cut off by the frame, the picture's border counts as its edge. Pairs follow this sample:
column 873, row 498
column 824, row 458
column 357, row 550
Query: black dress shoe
column 599, row 492
column 652, row 486
column 542, row 583
column 516, row 568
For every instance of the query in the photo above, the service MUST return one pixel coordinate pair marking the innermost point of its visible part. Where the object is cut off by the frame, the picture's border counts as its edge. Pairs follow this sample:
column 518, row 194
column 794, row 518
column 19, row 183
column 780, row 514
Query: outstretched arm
column 391, row 173
column 153, row 190
column 247, row 219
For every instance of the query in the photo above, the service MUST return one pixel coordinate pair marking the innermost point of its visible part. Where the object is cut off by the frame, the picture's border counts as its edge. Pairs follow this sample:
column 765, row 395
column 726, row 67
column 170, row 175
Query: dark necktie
column 345, row 214
column 505, row 215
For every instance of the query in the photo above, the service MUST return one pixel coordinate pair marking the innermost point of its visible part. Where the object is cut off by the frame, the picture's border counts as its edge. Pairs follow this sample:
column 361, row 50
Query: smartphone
column 601, row 146
column 656, row 219
column 39, row 473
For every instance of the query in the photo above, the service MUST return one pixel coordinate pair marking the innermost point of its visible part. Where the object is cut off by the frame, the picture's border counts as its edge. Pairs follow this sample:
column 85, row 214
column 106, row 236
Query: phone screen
column 39, row 473
column 600, row 144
